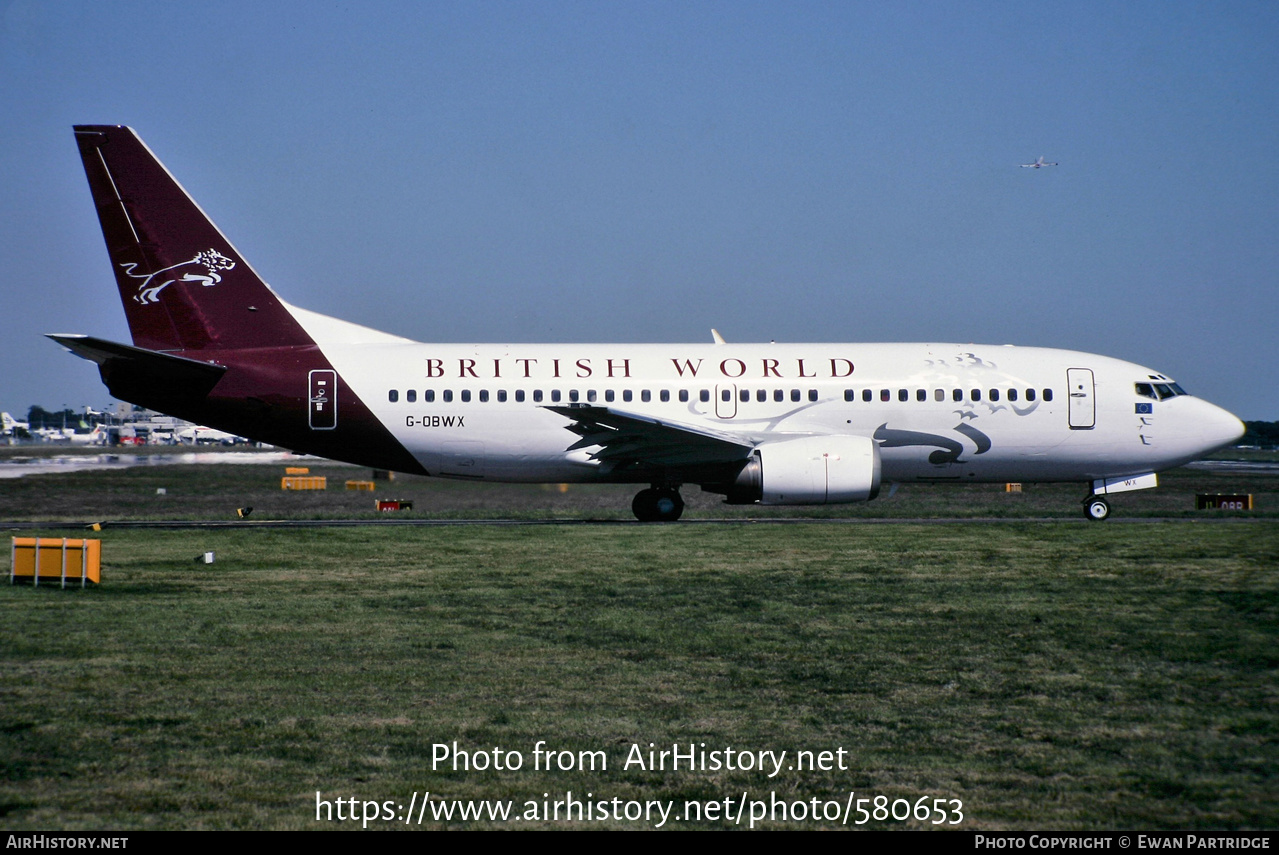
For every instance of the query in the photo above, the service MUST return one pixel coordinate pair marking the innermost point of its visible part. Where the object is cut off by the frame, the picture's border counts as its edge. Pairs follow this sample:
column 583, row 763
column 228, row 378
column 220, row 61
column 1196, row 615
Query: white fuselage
column 939, row 412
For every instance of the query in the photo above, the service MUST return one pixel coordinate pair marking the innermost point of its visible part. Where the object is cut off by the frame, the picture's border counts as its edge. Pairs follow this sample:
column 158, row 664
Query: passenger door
column 1083, row 409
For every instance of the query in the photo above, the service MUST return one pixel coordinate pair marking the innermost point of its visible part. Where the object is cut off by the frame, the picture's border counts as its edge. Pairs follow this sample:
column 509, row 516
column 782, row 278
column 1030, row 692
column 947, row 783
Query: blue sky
column 614, row 171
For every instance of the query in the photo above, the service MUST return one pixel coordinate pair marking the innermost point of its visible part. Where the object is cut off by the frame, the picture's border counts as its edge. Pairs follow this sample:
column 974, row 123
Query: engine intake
column 811, row 470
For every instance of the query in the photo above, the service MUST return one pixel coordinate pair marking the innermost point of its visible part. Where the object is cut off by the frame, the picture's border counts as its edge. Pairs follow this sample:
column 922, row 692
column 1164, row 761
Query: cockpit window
column 1159, row 391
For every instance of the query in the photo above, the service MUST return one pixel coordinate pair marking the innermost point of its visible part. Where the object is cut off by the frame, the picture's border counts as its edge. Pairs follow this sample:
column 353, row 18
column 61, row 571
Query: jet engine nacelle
column 811, row 470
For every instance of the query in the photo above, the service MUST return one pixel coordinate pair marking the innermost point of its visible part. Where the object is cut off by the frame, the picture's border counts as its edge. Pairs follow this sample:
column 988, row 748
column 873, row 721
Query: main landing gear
column 1096, row 508
column 658, row 504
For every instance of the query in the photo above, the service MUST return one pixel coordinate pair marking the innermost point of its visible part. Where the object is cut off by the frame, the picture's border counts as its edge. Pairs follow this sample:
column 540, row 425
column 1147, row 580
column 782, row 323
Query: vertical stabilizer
column 183, row 285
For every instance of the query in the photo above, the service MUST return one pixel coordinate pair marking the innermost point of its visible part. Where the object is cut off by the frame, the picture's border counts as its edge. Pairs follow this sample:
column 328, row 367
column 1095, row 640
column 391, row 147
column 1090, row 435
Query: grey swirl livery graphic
column 951, row 450
column 210, row 260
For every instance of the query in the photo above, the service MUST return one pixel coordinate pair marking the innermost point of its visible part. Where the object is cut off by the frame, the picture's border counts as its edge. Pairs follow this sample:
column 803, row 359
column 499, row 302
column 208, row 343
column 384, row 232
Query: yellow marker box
column 304, row 482
column 55, row 558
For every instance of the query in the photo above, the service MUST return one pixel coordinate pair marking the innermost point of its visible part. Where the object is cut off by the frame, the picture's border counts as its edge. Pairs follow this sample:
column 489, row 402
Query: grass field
column 1047, row 674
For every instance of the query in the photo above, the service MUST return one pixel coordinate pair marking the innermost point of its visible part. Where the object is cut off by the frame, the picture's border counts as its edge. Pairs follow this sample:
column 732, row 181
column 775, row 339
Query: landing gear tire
column 1096, row 508
column 658, row 504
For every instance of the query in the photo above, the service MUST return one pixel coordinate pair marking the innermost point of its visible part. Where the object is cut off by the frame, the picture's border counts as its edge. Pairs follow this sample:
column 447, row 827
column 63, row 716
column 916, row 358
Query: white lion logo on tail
column 210, row 259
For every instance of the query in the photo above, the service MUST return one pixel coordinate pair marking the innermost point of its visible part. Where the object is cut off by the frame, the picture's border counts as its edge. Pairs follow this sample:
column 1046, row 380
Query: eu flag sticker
column 1145, row 409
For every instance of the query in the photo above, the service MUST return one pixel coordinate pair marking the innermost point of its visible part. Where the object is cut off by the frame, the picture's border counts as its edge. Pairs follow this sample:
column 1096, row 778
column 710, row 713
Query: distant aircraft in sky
column 769, row 424
column 1038, row 163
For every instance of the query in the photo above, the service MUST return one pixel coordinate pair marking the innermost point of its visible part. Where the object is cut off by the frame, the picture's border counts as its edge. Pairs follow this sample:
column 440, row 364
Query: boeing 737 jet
column 1038, row 164
column 773, row 424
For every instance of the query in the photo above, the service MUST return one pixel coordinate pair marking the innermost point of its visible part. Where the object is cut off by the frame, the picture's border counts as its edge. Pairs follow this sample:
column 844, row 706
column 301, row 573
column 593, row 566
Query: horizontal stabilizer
column 132, row 373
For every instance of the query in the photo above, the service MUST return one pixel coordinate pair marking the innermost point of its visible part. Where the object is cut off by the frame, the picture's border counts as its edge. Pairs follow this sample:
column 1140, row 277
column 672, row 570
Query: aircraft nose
column 1219, row 427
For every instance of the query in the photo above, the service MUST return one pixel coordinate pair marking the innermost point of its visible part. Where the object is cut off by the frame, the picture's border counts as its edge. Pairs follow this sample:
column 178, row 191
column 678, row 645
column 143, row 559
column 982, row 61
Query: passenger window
column 903, row 395
column 429, row 396
column 921, row 395
column 608, row 396
column 448, row 396
column 555, row 396
column 885, row 395
column 572, row 395
column 848, row 395
column 812, row 394
column 779, row 395
column 466, row 396
column 537, row 396
column 957, row 395
column 683, row 396
column 939, row 394
column 761, row 395
column 868, row 395
column 484, row 396
column 976, row 394
column 393, row 395
column 726, row 395
column 646, row 396
column 627, row 395
column 794, row 395
column 1012, row 394
column 1048, row 394
column 590, row 396
column 665, row 395
column 501, row 396
column 704, row 395
column 994, row 394
column 745, row 395
column 519, row 396
column 1030, row 394
column 410, row 395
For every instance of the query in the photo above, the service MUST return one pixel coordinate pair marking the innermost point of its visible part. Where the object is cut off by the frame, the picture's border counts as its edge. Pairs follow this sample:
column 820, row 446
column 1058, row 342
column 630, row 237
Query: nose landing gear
column 1096, row 508
column 658, row 504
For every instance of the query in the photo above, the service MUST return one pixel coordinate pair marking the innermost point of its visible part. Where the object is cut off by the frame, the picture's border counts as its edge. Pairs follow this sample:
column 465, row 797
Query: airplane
column 768, row 424
column 92, row 436
column 1038, row 164
column 9, row 425
column 96, row 436
column 201, row 435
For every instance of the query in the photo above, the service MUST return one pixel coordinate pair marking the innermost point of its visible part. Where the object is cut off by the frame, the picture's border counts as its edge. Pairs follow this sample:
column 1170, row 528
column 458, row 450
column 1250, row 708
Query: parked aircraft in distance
column 9, row 425
column 201, row 435
column 1038, row 164
column 774, row 424
column 96, row 436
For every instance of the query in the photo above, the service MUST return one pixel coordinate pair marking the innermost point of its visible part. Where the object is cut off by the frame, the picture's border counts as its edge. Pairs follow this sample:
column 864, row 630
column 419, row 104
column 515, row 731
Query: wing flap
column 633, row 441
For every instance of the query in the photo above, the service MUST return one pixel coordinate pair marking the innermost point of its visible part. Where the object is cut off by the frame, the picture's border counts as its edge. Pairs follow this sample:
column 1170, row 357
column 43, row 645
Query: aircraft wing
column 632, row 441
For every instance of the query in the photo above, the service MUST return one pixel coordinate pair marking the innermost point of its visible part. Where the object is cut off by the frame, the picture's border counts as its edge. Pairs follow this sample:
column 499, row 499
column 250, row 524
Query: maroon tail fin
column 183, row 285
